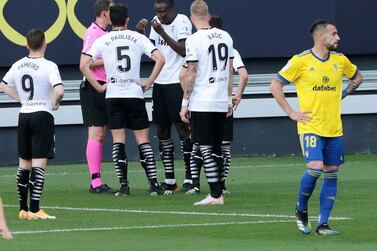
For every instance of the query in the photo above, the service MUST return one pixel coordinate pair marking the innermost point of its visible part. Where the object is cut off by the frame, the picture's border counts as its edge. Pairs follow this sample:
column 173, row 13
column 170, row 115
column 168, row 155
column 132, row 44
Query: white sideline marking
column 150, row 227
column 137, row 211
column 182, row 169
column 142, row 171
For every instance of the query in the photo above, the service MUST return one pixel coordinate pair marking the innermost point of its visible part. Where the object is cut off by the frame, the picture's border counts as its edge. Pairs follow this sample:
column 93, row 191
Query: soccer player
column 208, row 93
column 168, row 33
column 318, row 75
column 121, row 50
column 7, row 235
column 36, row 83
column 93, row 103
column 196, row 162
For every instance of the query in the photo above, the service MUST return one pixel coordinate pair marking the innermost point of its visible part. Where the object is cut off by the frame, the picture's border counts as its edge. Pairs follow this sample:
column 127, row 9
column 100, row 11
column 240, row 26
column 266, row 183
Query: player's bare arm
column 354, row 83
column 96, row 63
column 230, row 88
column 243, row 78
column 178, row 46
column 12, row 93
column 189, row 82
column 159, row 63
column 58, row 96
column 85, row 62
column 276, row 88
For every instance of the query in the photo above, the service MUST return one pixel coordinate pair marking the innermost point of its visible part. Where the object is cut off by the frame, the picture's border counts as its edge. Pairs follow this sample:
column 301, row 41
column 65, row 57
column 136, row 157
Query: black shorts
column 167, row 100
column 207, row 128
column 93, row 105
column 36, row 135
column 127, row 112
column 228, row 129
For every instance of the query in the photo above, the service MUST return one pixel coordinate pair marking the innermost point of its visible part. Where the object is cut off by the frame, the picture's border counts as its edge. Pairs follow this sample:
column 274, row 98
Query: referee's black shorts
column 167, row 99
column 36, row 135
column 93, row 105
column 207, row 128
column 127, row 113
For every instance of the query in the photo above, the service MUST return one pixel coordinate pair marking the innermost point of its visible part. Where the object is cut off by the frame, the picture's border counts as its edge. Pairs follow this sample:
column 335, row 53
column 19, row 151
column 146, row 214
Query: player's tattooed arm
column 355, row 83
column 190, row 80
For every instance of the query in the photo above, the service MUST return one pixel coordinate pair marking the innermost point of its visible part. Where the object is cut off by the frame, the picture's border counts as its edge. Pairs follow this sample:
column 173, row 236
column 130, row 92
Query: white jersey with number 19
column 34, row 79
column 121, row 51
column 212, row 50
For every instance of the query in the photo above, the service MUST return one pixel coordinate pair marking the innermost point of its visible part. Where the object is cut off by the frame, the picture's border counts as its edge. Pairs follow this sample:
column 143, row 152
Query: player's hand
column 230, row 111
column 101, row 88
column 55, row 106
column 185, row 116
column 236, row 100
column 157, row 26
column 140, row 26
column 145, row 87
column 301, row 117
column 7, row 235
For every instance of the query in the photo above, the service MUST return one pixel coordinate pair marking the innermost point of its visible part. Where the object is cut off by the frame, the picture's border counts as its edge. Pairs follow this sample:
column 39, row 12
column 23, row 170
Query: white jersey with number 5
column 212, row 50
column 121, row 52
column 34, row 79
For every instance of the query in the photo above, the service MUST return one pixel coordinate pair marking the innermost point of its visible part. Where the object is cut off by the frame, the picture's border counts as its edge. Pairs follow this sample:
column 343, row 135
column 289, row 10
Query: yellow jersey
column 319, row 89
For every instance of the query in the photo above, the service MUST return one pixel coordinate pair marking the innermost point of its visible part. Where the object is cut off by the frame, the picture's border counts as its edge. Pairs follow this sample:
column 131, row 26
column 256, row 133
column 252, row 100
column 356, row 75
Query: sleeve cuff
column 284, row 80
column 5, row 82
column 55, row 85
column 354, row 75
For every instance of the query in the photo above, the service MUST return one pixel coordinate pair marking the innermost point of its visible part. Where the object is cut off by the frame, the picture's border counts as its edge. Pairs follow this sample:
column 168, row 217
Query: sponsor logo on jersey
column 215, row 80
column 324, row 88
column 325, row 79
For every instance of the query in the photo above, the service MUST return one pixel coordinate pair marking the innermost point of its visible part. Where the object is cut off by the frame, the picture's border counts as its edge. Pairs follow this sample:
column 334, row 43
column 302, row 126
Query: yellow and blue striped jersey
column 319, row 89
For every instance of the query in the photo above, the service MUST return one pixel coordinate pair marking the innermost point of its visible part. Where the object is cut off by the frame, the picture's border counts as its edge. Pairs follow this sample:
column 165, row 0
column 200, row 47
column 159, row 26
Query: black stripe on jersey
column 86, row 54
column 192, row 61
column 100, row 26
column 155, row 49
column 241, row 67
column 55, row 85
column 231, row 57
column 5, row 82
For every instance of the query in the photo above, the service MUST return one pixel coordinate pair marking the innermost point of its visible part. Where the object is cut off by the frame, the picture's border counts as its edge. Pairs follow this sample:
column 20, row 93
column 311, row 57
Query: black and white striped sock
column 148, row 162
column 166, row 148
column 120, row 162
column 196, row 161
column 23, row 187
column 36, row 182
column 225, row 149
column 186, row 148
column 211, row 170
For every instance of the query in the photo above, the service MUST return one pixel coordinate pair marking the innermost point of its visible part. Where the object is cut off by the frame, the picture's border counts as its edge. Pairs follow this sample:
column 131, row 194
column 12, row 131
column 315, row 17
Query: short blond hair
column 199, row 8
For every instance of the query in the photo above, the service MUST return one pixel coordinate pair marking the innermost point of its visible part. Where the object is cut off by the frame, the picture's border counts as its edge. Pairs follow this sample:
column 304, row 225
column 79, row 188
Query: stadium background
column 265, row 32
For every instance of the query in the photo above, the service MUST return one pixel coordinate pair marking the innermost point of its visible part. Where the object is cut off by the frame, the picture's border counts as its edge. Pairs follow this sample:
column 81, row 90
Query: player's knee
column 183, row 130
column 163, row 131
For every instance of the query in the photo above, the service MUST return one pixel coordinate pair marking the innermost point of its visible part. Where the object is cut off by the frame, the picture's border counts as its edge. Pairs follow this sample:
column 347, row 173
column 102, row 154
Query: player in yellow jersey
column 318, row 75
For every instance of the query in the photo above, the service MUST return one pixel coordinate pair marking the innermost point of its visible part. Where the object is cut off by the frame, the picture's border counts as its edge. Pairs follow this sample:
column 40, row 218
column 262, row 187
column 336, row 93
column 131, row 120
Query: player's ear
column 127, row 20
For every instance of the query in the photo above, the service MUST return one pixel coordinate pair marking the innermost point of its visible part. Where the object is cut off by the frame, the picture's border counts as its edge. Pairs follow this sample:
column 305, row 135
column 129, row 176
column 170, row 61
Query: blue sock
column 307, row 186
column 327, row 196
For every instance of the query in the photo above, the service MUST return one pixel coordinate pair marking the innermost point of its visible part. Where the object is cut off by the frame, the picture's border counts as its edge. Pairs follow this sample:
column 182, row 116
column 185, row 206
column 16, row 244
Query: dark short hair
column 216, row 22
column 35, row 39
column 101, row 5
column 118, row 14
column 168, row 2
column 320, row 24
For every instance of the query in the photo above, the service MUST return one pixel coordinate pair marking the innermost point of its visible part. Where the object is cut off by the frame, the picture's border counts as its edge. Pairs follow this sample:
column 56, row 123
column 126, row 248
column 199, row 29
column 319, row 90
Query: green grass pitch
column 257, row 215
